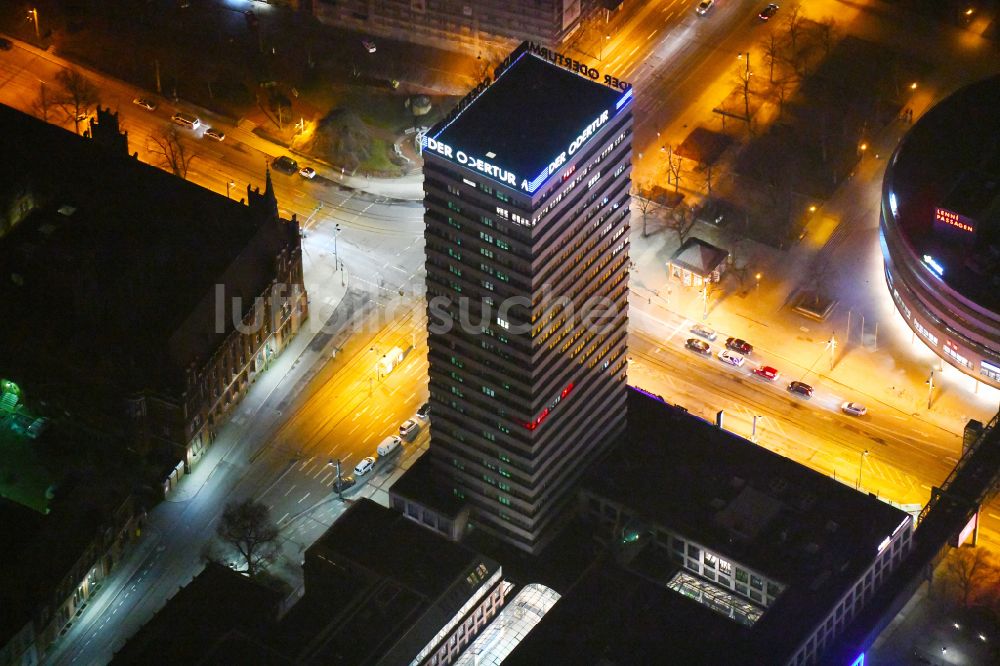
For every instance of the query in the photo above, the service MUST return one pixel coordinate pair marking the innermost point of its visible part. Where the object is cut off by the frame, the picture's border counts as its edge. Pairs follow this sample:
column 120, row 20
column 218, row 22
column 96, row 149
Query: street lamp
column 753, row 429
column 757, row 277
column 861, row 464
column 229, row 185
column 33, row 15
column 336, row 232
column 930, row 389
column 340, row 490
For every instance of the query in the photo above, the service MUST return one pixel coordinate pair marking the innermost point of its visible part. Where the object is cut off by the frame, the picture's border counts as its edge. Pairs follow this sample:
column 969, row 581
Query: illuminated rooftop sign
column 505, row 176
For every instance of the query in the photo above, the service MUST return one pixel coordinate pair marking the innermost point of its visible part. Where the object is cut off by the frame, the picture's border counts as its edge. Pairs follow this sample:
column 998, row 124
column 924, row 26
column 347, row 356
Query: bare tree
column 772, row 51
column 674, row 167
column 970, row 571
column 793, row 27
column 247, row 527
column 743, row 73
column 642, row 196
column 682, row 221
column 167, row 146
column 43, row 104
column 827, row 29
column 781, row 89
column 76, row 95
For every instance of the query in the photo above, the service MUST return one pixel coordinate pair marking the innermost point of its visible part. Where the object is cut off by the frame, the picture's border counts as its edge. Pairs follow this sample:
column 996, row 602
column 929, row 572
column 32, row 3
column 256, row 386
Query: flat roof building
column 729, row 550
column 527, row 199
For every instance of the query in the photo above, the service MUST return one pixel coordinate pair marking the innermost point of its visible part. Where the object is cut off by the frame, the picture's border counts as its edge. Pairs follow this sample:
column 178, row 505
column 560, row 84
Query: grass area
column 23, row 476
column 379, row 160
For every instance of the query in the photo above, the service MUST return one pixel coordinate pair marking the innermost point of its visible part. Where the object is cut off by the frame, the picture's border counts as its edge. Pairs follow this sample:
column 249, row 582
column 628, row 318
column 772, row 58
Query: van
column 389, row 361
column 187, row 120
column 389, row 446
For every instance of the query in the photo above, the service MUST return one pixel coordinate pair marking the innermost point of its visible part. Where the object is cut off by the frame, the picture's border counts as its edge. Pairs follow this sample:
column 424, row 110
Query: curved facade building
column 940, row 229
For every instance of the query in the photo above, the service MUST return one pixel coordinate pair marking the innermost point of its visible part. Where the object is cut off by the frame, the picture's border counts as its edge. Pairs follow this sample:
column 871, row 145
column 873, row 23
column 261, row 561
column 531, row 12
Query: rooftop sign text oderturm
column 499, row 173
column 508, row 177
column 561, row 60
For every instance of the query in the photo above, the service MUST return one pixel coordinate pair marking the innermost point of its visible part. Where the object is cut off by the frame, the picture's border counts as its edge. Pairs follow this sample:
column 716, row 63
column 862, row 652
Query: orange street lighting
column 863, row 147
column 812, row 209
column 913, row 86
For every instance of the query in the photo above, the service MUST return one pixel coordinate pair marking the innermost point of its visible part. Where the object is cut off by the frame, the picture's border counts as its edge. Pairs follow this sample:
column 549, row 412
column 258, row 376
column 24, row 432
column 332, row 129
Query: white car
column 409, row 429
column 364, row 466
column 854, row 409
column 732, row 358
column 217, row 135
column 307, row 172
column 704, row 6
column 369, row 45
column 704, row 332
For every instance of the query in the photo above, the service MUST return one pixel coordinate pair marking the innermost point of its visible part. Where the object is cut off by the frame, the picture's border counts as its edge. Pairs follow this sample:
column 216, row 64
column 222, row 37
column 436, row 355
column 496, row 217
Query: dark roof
column 125, row 258
column 218, row 611
column 378, row 586
column 616, row 618
column 528, row 116
column 698, row 256
column 422, row 484
column 762, row 510
column 39, row 551
column 951, row 158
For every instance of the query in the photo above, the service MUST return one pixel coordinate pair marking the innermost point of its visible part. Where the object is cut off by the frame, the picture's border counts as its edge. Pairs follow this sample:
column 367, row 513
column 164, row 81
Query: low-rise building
column 734, row 553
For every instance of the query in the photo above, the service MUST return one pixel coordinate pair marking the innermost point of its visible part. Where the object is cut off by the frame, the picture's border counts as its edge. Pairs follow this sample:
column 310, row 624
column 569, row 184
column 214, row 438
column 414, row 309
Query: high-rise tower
column 527, row 200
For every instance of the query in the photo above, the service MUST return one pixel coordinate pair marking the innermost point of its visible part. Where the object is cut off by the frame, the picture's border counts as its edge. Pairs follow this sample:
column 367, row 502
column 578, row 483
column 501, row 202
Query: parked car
column 704, row 6
column 364, row 466
column 424, row 412
column 854, row 408
column 369, row 45
column 149, row 105
column 767, row 372
column 700, row 346
column 6, row 44
column 285, row 164
column 704, row 331
column 738, row 345
column 307, row 172
column 768, row 12
column 186, row 120
column 215, row 134
column 801, row 388
column 344, row 483
column 409, row 429
column 389, row 446
column 729, row 357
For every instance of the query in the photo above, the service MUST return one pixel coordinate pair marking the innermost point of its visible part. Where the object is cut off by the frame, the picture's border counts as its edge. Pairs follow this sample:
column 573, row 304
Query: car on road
column 364, row 466
column 343, row 483
column 768, row 12
column 409, row 429
column 307, row 172
column 704, row 332
column 696, row 345
column 854, row 408
column 285, row 164
column 6, row 44
column 738, row 345
column 801, row 388
column 729, row 357
column 147, row 104
column 369, row 45
column 424, row 412
column 186, row 120
column 704, row 7
column 217, row 135
column 767, row 372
